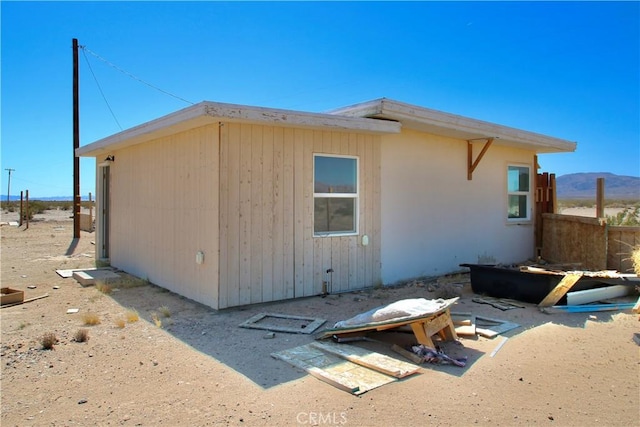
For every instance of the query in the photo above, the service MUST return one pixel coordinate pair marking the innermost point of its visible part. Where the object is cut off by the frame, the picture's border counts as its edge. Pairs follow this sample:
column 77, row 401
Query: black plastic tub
column 511, row 283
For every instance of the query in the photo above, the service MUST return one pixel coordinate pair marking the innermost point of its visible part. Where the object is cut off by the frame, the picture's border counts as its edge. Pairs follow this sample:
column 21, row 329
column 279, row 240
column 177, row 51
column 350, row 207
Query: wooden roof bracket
column 471, row 164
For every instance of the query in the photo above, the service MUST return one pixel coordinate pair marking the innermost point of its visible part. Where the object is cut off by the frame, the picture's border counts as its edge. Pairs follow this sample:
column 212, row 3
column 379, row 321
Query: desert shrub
column 635, row 258
column 164, row 310
column 132, row 316
column 81, row 335
column 120, row 322
column 103, row 287
column 156, row 320
column 48, row 340
column 91, row 319
column 629, row 217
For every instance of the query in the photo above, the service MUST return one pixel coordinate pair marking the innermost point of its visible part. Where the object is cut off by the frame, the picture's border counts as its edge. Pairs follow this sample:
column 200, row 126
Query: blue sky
column 565, row 69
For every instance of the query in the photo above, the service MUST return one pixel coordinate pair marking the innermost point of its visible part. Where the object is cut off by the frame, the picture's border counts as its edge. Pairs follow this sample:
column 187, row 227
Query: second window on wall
column 518, row 193
column 335, row 195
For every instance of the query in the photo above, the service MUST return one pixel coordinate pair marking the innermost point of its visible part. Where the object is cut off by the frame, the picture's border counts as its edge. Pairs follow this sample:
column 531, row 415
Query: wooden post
column 554, row 193
column 600, row 198
column 27, row 209
column 21, row 211
column 76, row 144
column 90, row 210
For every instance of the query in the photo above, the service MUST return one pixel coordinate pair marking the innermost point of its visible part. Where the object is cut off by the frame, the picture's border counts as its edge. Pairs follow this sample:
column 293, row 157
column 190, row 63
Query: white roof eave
column 455, row 126
column 211, row 112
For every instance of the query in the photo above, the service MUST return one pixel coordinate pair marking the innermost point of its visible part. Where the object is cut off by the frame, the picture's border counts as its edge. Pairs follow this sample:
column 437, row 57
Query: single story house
column 231, row 204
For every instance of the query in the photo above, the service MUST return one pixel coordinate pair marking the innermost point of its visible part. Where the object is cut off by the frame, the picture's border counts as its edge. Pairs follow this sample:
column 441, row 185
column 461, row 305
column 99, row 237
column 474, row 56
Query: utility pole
column 9, row 183
column 76, row 144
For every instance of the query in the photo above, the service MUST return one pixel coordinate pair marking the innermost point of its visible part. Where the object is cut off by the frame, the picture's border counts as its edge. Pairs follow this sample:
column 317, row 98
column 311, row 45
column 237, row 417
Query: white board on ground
column 597, row 294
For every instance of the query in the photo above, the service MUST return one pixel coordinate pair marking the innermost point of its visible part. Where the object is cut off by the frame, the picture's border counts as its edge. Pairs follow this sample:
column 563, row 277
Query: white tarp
column 397, row 310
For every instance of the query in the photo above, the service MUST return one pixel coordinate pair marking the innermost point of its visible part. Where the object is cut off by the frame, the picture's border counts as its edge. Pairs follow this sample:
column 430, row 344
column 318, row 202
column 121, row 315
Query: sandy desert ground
column 199, row 368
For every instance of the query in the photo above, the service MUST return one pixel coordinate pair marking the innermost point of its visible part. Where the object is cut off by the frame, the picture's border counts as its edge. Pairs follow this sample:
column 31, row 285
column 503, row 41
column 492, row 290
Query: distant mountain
column 583, row 186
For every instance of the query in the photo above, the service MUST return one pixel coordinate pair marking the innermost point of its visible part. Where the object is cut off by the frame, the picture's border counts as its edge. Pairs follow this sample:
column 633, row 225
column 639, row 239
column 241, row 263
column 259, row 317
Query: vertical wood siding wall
column 164, row 209
column 267, row 248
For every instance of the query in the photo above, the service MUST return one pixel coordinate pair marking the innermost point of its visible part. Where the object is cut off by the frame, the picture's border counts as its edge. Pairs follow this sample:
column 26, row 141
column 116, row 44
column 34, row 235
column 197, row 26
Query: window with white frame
column 335, row 195
column 518, row 192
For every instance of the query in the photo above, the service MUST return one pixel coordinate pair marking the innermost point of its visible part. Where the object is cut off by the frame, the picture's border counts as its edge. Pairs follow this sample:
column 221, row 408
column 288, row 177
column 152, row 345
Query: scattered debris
column 498, row 347
column 501, row 303
column 24, row 300
column 269, row 335
column 348, row 375
column 431, row 355
column 561, row 289
column 31, row 287
column 89, row 277
column 283, row 323
column 489, row 327
column 72, row 310
column 11, row 296
column 424, row 317
column 587, row 308
column 598, row 294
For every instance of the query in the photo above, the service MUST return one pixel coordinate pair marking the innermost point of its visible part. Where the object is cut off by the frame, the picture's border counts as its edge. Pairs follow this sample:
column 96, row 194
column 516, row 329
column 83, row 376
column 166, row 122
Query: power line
column 100, row 89
column 84, row 48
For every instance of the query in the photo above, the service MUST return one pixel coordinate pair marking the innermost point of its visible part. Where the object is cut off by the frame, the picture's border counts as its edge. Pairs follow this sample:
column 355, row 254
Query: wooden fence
column 589, row 243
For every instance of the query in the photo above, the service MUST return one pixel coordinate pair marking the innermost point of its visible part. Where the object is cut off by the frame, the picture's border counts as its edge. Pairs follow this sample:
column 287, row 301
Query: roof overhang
column 207, row 112
column 454, row 126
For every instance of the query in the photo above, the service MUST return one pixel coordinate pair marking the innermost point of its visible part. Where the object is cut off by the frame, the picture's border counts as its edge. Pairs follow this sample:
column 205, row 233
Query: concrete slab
column 89, row 277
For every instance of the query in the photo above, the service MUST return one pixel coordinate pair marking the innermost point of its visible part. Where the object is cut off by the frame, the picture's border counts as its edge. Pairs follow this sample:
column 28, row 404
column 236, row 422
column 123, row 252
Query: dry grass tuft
column 635, row 257
column 128, row 281
column 156, row 320
column 103, row 287
column 91, row 319
column 120, row 322
column 164, row 310
column 132, row 315
column 48, row 340
column 82, row 335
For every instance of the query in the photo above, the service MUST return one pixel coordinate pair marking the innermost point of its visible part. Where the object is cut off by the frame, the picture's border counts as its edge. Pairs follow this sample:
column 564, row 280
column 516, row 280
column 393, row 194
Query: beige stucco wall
column 434, row 219
column 164, row 210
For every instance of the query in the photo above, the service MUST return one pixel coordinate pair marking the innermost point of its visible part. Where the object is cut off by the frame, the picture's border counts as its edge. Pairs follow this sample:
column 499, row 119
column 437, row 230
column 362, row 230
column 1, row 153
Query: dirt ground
column 199, row 368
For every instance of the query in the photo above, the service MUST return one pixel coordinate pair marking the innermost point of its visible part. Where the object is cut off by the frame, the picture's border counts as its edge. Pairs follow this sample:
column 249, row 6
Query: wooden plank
column 362, row 224
column 24, row 301
column 297, row 212
column 232, row 282
column 288, row 213
column 271, row 251
column 340, row 373
column 256, row 208
column 407, row 354
column 561, row 289
column 372, row 360
column 279, row 291
column 311, row 276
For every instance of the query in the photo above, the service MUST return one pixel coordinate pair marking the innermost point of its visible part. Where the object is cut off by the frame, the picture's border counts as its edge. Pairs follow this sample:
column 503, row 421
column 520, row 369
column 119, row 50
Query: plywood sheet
column 334, row 370
column 370, row 359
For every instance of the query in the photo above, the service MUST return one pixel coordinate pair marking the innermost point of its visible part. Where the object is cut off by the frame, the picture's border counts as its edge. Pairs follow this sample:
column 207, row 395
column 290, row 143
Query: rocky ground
column 182, row 363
